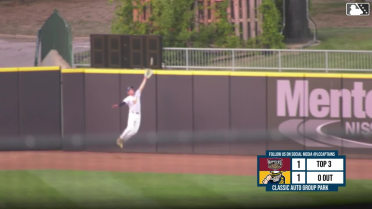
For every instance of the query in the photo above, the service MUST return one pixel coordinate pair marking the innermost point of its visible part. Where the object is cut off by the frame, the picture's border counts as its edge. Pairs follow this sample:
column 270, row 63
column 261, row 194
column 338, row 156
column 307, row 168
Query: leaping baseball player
column 133, row 100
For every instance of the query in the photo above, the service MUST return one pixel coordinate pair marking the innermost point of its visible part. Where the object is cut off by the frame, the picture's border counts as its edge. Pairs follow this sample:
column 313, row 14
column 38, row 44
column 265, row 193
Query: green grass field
column 345, row 38
column 83, row 189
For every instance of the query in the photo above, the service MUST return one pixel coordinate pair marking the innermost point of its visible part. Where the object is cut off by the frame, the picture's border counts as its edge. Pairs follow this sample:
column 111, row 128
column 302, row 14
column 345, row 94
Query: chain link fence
column 254, row 59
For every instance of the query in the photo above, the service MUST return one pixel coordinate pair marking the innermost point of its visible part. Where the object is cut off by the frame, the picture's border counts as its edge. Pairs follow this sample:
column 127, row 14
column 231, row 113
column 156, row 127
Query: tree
column 123, row 22
column 296, row 22
column 271, row 25
column 177, row 22
column 218, row 33
column 170, row 18
column 173, row 20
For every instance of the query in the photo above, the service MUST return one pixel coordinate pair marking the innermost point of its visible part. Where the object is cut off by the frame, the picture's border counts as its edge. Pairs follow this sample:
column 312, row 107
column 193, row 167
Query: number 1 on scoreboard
column 298, row 164
column 298, row 178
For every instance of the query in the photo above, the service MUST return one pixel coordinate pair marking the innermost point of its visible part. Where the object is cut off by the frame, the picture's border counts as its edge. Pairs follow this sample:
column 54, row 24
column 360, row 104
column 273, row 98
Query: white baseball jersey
column 134, row 102
column 134, row 116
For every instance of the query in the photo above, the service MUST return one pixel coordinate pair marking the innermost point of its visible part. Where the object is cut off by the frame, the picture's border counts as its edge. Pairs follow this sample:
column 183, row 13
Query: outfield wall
column 30, row 108
column 181, row 111
column 237, row 111
column 211, row 112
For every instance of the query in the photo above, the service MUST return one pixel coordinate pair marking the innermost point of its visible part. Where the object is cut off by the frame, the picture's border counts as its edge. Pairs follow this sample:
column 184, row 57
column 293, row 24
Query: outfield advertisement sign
column 322, row 112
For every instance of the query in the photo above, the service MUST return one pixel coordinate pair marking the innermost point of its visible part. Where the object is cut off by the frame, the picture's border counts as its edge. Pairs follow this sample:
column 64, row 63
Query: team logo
column 275, row 164
column 275, row 176
column 357, row 9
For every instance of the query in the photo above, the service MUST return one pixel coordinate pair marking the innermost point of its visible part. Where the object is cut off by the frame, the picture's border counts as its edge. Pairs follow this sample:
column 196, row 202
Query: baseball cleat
column 120, row 143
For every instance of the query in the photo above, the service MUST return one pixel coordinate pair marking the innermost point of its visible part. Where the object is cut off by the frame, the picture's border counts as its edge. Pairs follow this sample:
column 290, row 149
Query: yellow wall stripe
column 359, row 76
column 2, row 70
column 220, row 73
column 194, row 72
column 173, row 72
column 72, row 70
column 30, row 69
column 114, row 71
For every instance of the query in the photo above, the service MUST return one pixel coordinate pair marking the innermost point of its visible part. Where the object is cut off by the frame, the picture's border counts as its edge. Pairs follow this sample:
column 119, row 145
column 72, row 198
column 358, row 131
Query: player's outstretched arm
column 142, row 86
column 118, row 105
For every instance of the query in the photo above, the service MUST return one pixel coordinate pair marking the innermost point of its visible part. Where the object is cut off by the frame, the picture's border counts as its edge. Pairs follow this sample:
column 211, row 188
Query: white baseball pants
column 134, row 121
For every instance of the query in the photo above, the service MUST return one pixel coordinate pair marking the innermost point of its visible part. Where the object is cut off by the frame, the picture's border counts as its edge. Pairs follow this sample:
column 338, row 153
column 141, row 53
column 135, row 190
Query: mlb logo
column 357, row 9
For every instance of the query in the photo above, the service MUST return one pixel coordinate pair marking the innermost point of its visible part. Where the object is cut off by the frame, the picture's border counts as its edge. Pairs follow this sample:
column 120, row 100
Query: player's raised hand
column 148, row 74
column 115, row 106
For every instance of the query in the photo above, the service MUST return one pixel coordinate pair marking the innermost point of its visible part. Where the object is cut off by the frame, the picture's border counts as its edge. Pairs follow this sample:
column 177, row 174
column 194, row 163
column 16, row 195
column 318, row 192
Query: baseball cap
column 129, row 88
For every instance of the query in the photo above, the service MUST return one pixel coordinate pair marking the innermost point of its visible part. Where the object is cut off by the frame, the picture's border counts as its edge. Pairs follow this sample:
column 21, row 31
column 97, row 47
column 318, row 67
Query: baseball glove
column 148, row 73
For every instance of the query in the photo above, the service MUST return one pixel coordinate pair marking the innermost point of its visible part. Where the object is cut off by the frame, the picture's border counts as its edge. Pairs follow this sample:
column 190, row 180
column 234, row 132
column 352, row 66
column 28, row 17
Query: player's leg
column 126, row 133
column 135, row 124
column 123, row 137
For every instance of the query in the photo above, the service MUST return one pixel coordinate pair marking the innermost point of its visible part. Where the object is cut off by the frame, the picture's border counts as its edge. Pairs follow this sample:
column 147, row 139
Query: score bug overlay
column 310, row 170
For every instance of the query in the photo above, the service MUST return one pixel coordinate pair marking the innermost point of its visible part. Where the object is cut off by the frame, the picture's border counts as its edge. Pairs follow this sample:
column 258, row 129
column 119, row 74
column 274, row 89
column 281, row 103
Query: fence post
column 280, row 61
column 187, row 59
column 326, row 60
column 233, row 59
column 73, row 58
column 37, row 53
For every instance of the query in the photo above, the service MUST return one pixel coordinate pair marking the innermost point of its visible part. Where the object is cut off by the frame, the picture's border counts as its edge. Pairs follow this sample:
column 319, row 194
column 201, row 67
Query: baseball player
column 133, row 100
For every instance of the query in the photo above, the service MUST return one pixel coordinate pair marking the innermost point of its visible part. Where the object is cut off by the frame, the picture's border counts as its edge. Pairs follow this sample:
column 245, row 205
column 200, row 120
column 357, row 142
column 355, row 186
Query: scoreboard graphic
column 310, row 170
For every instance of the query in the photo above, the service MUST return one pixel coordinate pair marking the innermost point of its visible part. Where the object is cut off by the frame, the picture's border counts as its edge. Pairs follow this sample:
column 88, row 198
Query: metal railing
column 81, row 55
column 255, row 59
